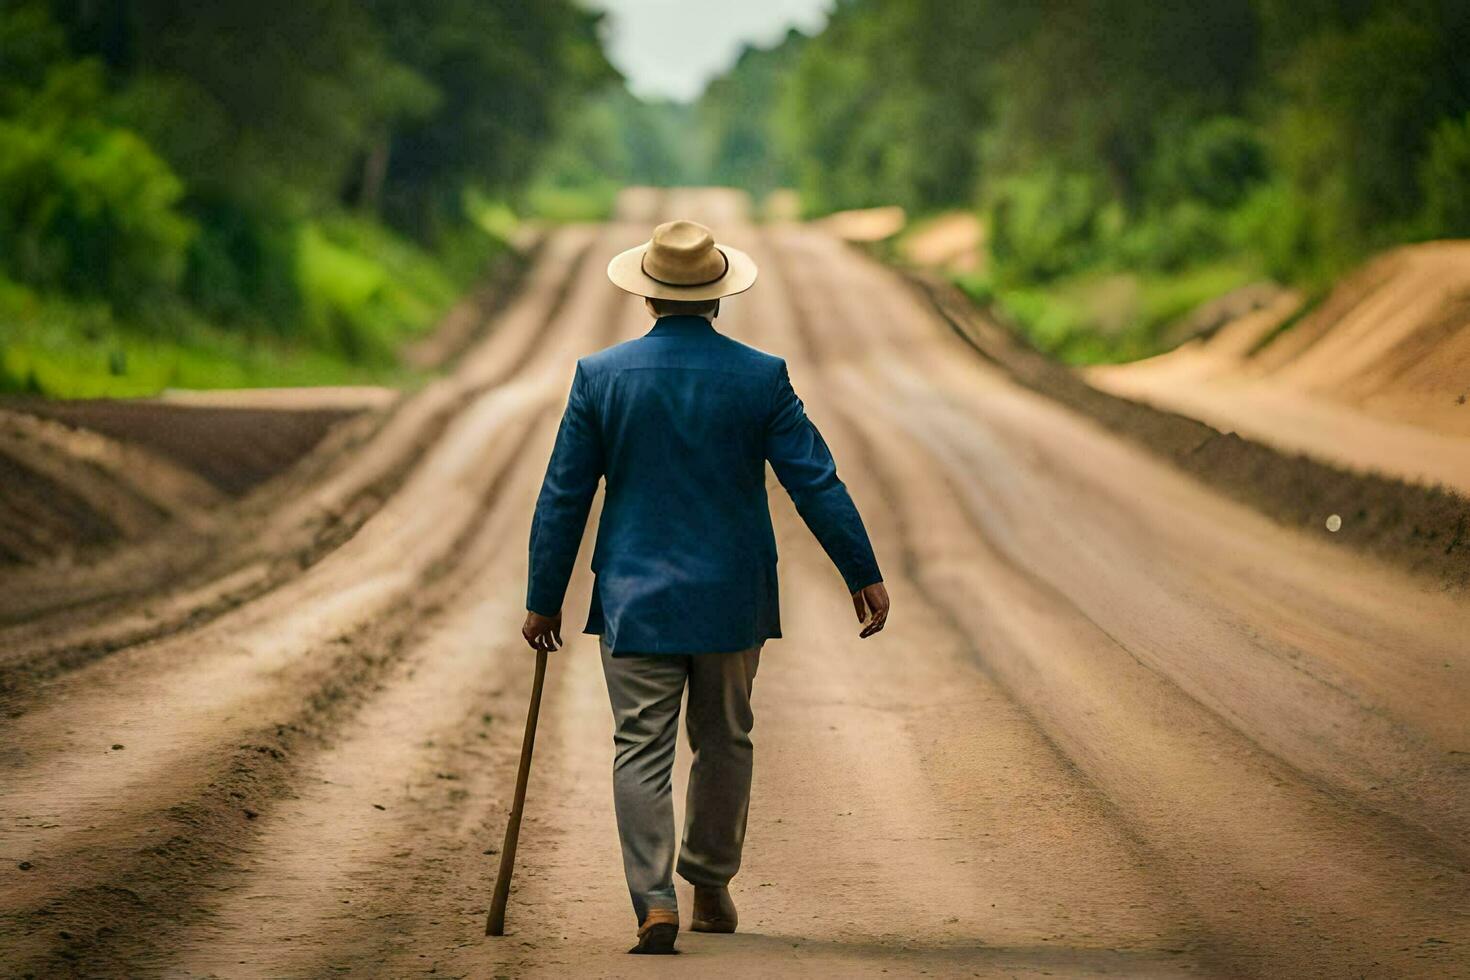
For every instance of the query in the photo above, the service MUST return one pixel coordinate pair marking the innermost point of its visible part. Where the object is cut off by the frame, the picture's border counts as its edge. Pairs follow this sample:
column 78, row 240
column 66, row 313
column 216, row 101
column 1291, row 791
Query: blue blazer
column 681, row 423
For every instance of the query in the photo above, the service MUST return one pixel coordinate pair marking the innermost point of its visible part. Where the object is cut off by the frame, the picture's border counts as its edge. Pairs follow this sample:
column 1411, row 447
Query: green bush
column 86, row 207
column 1216, row 162
column 242, row 266
column 61, row 347
column 1094, row 317
column 1172, row 238
column 347, row 305
column 1296, row 237
column 1350, row 134
column 1445, row 177
column 1044, row 224
column 364, row 290
column 588, row 202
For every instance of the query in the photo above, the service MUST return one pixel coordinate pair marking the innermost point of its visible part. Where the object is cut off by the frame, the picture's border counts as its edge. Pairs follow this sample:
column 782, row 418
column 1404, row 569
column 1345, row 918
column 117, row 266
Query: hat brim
column 626, row 272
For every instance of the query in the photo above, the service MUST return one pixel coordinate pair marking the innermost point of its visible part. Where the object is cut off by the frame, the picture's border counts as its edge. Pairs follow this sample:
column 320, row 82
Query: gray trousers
column 645, row 694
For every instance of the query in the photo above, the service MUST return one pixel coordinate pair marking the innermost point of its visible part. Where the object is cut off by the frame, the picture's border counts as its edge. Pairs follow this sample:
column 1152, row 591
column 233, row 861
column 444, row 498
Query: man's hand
column 544, row 632
column 874, row 600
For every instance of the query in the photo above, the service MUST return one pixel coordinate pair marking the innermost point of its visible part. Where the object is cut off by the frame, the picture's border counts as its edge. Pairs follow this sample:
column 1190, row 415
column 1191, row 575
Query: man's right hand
column 872, row 600
column 542, row 632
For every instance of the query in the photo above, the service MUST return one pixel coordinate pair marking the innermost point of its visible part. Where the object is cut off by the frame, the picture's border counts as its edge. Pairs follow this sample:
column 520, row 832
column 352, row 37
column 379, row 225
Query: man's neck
column 686, row 324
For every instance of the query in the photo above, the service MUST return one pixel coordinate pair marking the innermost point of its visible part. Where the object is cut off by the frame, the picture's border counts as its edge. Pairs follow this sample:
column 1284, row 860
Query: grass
column 365, row 293
column 66, row 352
column 1106, row 316
column 593, row 202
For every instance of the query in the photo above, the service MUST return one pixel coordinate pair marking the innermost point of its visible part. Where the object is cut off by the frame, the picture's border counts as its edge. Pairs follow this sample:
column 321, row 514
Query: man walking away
column 681, row 423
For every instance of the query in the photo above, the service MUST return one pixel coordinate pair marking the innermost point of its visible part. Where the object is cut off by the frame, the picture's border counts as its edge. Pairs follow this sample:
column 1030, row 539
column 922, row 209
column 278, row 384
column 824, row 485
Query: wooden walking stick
column 495, row 923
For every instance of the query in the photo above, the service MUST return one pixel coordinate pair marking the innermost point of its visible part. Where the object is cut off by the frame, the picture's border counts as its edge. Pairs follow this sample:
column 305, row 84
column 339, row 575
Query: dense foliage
column 321, row 173
column 1114, row 131
column 615, row 139
column 271, row 168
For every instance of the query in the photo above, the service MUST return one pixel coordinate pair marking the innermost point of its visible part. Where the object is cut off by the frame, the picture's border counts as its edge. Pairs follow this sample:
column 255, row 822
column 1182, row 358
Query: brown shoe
column 714, row 910
column 657, row 934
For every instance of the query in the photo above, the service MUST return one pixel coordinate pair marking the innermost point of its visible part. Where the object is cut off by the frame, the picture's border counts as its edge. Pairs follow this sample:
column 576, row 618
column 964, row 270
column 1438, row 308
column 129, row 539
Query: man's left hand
column 871, row 605
column 542, row 632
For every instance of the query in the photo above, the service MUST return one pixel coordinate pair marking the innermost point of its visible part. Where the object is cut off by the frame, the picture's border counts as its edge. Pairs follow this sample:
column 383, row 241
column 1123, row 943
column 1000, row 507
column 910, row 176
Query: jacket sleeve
column 805, row 467
column 566, row 497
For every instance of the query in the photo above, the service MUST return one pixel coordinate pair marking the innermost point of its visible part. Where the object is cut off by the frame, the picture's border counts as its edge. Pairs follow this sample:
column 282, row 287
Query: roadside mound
column 953, row 242
column 1374, row 378
column 235, row 448
column 79, row 476
column 1391, row 340
column 1425, row 529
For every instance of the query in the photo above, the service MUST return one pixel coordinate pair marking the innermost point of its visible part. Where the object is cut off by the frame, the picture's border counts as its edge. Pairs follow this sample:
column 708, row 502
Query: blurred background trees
column 1185, row 148
column 1318, row 130
column 303, row 169
column 332, row 172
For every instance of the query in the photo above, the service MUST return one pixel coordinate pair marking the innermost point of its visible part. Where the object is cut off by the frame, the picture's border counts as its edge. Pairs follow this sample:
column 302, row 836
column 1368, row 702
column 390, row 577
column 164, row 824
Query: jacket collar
column 680, row 325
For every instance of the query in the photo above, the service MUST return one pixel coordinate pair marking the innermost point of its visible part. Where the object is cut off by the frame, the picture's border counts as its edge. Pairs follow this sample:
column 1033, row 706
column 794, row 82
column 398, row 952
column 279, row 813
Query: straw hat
column 682, row 261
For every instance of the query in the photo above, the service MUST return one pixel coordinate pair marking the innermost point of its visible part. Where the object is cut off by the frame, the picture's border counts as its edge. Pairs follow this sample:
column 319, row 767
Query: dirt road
column 1118, row 725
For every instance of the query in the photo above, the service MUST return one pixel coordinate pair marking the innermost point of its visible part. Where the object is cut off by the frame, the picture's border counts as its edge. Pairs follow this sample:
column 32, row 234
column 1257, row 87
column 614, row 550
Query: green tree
column 1095, row 84
column 508, row 73
column 1353, row 126
column 737, row 117
column 1445, row 180
column 85, row 206
column 206, row 155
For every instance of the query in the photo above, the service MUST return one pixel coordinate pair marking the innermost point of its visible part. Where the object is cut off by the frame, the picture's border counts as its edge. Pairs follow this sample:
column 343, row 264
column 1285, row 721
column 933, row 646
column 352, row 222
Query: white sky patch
column 670, row 49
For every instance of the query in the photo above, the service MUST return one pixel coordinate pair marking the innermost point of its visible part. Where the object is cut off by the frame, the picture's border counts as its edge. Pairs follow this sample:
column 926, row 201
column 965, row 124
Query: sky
column 670, row 48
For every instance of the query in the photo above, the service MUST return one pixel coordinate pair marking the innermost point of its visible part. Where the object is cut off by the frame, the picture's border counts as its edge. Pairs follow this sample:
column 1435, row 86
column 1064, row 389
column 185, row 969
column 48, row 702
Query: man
column 681, row 423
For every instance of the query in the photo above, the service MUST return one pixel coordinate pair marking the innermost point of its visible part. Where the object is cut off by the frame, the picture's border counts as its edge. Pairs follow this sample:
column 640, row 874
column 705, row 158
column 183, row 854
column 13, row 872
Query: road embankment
column 1423, row 529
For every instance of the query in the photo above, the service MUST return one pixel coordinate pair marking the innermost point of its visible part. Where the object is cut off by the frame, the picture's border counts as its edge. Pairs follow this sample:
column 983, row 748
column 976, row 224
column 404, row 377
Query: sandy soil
column 1118, row 725
column 346, row 398
column 84, row 477
column 1376, row 378
column 953, row 241
column 866, row 225
column 234, row 444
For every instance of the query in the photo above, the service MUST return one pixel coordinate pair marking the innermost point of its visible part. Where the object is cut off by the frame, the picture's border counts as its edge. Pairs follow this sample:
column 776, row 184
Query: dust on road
column 1120, row 725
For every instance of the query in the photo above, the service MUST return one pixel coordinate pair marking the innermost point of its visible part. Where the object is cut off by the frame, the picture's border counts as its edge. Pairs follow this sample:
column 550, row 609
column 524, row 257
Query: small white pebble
column 1334, row 523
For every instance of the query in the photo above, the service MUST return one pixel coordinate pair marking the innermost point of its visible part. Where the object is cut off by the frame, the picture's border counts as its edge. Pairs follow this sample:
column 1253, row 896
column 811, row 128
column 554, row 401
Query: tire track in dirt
column 372, row 652
column 331, row 883
column 40, row 596
column 1347, row 845
column 284, row 930
column 166, row 880
column 130, row 487
column 1382, row 765
column 838, row 387
column 349, row 503
column 840, row 720
column 1056, row 759
column 329, row 580
column 37, row 515
column 304, row 931
column 1382, row 731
